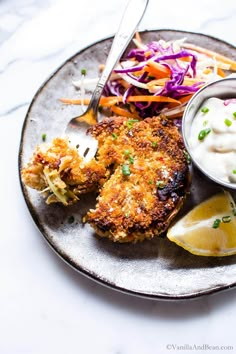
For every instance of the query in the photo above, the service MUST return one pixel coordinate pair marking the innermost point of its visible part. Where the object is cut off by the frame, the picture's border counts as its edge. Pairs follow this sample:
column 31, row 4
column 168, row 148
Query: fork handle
column 133, row 14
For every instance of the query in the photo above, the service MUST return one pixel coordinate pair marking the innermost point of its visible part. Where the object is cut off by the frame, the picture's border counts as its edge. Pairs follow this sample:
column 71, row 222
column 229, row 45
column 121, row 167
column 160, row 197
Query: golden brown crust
column 140, row 201
column 140, row 172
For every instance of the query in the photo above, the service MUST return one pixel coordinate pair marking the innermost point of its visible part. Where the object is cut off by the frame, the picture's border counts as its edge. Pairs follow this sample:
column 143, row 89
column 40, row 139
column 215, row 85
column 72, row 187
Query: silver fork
column 76, row 129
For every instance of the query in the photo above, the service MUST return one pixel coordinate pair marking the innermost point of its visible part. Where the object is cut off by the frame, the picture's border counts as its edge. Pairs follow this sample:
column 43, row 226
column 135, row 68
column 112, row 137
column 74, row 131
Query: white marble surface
column 45, row 306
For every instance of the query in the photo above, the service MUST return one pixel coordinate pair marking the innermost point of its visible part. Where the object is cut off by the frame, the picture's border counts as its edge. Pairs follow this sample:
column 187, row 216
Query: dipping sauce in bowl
column 209, row 131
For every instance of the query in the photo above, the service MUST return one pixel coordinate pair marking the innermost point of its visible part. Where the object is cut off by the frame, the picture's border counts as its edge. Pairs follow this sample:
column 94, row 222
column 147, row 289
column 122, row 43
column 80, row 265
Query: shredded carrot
column 111, row 100
column 188, row 81
column 212, row 54
column 185, row 99
column 123, row 112
column 207, row 71
column 187, row 59
column 75, row 101
column 146, row 98
column 158, row 82
column 104, row 101
column 220, row 72
column 147, row 53
column 154, row 75
column 157, row 70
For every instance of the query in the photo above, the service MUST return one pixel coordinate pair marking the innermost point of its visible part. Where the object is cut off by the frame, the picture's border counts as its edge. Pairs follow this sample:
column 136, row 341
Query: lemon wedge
column 209, row 229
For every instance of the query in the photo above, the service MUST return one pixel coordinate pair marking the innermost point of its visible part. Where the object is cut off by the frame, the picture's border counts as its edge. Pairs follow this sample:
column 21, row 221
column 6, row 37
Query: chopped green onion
column 126, row 170
column 216, row 224
column 187, row 156
column 126, row 214
column 160, row 184
column 228, row 122
column 150, row 182
column 131, row 122
column 154, row 144
column 203, row 133
column 44, row 136
column 234, row 172
column 126, row 152
column 114, row 136
column 204, row 110
column 234, row 114
column 226, row 219
column 83, row 71
column 131, row 159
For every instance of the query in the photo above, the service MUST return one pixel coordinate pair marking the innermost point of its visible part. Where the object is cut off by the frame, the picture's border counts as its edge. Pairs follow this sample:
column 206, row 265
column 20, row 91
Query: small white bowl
column 223, row 89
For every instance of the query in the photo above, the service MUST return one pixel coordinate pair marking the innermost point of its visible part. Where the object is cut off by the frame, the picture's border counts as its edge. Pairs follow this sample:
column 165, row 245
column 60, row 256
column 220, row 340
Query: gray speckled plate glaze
column 155, row 269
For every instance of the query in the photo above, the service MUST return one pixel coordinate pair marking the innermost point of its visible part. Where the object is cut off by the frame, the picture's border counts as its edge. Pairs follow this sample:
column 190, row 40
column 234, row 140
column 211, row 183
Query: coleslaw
column 157, row 78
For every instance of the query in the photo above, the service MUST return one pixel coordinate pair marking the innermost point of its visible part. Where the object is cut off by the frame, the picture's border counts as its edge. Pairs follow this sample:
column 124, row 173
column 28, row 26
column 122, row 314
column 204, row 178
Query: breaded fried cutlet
column 149, row 180
column 60, row 173
column 140, row 173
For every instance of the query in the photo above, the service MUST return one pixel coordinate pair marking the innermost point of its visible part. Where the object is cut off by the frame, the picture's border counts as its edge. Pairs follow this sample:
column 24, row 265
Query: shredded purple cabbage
column 173, row 87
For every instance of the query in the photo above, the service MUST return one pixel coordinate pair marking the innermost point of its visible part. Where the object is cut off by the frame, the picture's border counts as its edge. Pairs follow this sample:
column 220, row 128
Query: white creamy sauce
column 213, row 138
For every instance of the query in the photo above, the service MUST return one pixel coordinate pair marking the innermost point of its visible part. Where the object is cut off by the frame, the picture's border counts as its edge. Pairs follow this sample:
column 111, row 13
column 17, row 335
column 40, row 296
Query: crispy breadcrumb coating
column 60, row 173
column 149, row 180
column 140, row 172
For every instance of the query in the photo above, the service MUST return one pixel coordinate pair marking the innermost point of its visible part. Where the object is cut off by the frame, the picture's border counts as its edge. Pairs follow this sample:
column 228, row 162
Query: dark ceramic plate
column 155, row 269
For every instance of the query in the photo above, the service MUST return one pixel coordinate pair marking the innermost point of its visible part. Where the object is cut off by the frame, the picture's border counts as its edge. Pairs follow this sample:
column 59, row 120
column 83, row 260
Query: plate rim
column 91, row 275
